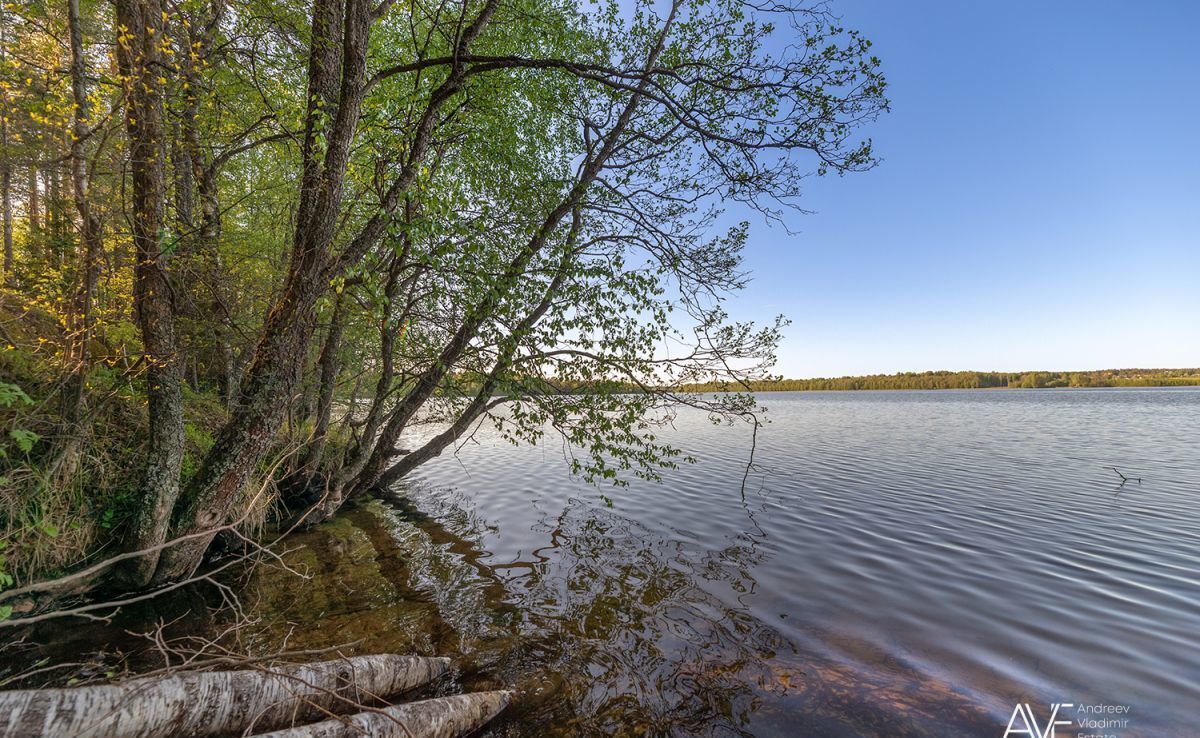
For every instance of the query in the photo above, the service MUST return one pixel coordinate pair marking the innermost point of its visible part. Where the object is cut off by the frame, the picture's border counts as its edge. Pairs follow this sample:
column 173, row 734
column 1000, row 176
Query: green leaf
column 25, row 439
column 11, row 394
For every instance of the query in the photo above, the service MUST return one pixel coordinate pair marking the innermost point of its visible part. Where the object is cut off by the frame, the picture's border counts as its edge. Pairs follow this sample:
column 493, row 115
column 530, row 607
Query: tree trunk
column 213, row 703
column 139, row 52
column 426, row 384
column 444, row 717
column 5, row 160
column 218, row 304
column 35, row 218
column 336, row 73
column 202, row 176
column 53, row 207
column 6, row 190
column 329, row 366
column 185, row 188
column 79, row 330
column 280, row 353
column 389, row 331
column 483, row 400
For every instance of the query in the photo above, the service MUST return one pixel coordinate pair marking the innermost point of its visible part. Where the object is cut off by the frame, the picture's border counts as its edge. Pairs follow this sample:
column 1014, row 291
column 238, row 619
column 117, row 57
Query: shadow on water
column 606, row 630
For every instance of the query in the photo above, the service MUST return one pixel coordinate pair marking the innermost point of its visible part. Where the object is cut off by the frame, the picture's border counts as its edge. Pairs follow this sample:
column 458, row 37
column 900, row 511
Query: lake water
column 902, row 564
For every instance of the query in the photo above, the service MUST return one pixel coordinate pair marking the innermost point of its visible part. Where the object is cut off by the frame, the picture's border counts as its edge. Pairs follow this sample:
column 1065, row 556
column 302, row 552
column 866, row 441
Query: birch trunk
column 213, row 703
column 445, row 717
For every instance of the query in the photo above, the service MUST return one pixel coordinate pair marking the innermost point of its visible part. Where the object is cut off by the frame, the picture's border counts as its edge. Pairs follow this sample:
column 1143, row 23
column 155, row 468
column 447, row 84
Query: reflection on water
column 903, row 564
column 606, row 630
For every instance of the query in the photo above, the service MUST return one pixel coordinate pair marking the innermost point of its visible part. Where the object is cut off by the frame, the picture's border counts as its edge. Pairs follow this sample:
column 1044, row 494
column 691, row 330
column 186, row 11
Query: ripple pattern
column 974, row 538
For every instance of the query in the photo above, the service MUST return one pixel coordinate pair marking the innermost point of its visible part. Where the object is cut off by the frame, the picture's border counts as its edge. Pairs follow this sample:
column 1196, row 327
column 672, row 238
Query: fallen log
column 444, row 717
column 213, row 703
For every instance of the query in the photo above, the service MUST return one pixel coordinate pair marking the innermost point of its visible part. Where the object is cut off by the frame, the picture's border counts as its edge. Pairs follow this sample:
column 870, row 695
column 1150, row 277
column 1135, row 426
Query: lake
column 901, row 564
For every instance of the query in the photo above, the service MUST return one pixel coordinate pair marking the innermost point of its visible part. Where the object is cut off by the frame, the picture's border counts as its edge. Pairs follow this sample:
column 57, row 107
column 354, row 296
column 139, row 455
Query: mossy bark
column 139, row 57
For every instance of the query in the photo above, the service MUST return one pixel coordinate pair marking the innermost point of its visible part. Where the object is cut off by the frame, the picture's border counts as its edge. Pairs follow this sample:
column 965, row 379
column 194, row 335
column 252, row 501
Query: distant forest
column 972, row 380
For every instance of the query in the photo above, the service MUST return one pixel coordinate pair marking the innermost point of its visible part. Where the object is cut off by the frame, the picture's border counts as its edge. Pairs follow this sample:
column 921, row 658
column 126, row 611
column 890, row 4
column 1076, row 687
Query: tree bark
column 444, row 717
column 215, row 275
column 389, row 331
column 139, row 51
column 53, row 205
column 205, row 174
column 213, row 703
column 197, row 202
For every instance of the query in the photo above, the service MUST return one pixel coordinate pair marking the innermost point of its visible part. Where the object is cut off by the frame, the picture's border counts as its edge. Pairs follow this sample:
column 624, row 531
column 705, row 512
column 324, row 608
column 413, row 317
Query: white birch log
column 213, row 702
column 444, row 717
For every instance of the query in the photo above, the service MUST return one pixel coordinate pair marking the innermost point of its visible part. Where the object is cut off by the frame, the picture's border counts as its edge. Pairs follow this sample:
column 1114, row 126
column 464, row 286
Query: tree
column 80, row 318
column 141, row 46
column 660, row 119
column 502, row 211
column 6, row 168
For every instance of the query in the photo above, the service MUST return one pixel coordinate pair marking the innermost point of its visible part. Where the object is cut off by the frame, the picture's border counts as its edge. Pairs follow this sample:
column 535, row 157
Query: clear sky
column 1037, row 207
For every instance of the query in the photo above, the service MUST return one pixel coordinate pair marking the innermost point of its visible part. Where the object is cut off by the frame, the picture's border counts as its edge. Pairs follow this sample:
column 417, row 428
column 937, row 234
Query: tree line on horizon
column 934, row 380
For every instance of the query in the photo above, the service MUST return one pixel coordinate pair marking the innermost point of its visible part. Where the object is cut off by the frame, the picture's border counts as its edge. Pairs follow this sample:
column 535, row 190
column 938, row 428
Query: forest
column 251, row 245
column 967, row 380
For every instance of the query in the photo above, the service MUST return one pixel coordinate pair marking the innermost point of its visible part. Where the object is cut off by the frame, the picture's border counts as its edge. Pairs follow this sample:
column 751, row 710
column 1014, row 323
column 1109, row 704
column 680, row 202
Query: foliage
column 370, row 216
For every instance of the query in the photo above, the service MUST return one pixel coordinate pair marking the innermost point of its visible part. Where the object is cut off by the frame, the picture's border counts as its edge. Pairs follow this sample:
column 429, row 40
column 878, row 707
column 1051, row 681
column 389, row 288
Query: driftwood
column 445, row 717
column 214, row 702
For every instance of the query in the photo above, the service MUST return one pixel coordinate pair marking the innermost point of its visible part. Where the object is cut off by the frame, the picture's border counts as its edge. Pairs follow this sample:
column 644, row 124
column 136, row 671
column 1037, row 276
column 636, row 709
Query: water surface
column 902, row 564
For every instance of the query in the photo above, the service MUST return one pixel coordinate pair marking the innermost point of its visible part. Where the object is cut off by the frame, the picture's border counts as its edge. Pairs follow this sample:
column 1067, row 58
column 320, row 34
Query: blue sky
column 1037, row 207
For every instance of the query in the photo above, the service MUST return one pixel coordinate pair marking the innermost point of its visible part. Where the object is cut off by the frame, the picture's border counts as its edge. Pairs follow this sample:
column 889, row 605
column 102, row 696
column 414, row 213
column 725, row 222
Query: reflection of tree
column 609, row 629
column 639, row 641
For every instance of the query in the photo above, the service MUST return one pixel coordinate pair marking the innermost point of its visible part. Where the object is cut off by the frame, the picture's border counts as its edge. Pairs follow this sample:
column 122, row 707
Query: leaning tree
column 517, row 208
column 339, row 219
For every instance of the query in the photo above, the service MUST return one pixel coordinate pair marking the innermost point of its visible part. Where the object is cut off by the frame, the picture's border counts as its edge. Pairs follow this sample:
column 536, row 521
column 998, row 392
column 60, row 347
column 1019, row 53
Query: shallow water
column 903, row 564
